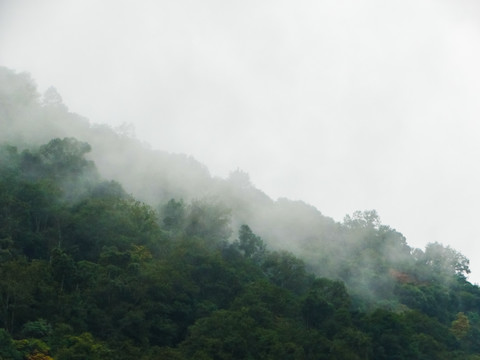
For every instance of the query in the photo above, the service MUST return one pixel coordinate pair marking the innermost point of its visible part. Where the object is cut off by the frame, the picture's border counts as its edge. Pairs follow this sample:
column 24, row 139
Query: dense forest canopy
column 110, row 250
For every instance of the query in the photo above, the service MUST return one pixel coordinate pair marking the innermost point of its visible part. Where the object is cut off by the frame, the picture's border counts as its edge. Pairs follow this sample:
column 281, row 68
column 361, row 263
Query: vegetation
column 88, row 271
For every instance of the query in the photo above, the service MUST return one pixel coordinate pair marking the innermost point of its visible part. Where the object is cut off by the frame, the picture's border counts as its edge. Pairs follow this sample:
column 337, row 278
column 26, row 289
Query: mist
column 343, row 105
column 367, row 255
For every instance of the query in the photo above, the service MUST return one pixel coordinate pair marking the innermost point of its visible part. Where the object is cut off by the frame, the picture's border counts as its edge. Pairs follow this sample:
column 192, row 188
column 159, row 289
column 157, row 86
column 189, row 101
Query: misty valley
column 112, row 250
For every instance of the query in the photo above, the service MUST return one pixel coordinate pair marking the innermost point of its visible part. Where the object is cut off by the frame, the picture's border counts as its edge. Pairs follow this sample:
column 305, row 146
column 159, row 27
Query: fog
column 346, row 105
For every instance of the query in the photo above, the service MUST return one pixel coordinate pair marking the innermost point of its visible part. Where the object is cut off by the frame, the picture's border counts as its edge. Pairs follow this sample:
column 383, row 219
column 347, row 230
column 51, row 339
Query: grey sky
column 347, row 105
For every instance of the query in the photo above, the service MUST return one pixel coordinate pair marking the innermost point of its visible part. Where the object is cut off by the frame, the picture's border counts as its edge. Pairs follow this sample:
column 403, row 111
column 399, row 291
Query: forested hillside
column 110, row 250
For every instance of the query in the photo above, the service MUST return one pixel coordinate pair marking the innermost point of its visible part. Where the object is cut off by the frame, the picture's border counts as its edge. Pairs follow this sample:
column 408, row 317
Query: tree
column 66, row 158
column 52, row 99
column 210, row 220
column 63, row 269
column 16, row 291
column 444, row 261
column 460, row 326
column 250, row 244
column 363, row 219
column 37, row 329
column 8, row 350
column 174, row 215
column 16, row 89
column 285, row 270
column 34, row 349
column 83, row 347
column 324, row 300
column 240, row 179
column 224, row 335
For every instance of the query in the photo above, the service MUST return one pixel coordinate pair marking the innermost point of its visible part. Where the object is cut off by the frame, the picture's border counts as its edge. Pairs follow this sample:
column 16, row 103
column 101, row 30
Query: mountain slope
column 168, row 268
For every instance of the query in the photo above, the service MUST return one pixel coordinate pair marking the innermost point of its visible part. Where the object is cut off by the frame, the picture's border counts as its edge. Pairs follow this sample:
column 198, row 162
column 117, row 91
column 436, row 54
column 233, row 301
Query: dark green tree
column 250, row 244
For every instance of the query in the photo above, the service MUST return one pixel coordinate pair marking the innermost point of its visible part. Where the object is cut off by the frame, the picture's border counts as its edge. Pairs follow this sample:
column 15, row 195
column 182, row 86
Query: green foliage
column 174, row 215
column 40, row 329
column 8, row 350
column 326, row 305
column 208, row 220
column 250, row 244
column 89, row 272
column 363, row 220
column 444, row 261
column 460, row 326
column 285, row 270
column 33, row 349
column 83, row 347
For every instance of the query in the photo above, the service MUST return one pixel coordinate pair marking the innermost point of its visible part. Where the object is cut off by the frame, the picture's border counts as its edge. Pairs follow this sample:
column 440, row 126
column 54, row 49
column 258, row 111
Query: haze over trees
column 110, row 250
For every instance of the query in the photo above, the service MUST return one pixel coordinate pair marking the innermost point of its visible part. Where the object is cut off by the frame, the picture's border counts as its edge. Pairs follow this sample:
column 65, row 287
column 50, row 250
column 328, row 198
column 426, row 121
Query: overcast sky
column 345, row 104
